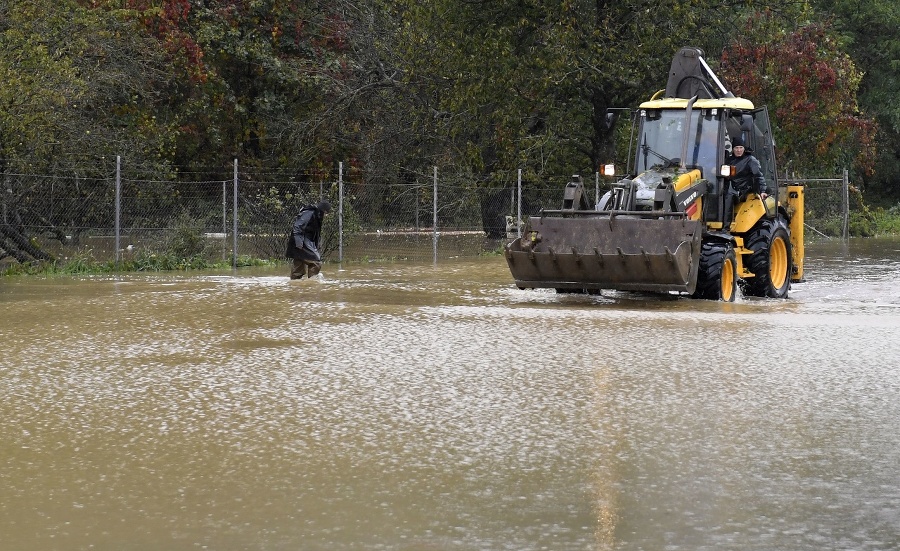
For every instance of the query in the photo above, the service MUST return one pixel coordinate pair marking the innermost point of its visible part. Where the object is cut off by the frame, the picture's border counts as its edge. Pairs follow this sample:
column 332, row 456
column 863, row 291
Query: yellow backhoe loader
column 663, row 227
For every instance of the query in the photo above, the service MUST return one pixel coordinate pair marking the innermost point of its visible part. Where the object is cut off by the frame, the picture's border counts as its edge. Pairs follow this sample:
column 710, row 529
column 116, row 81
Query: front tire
column 717, row 276
column 771, row 260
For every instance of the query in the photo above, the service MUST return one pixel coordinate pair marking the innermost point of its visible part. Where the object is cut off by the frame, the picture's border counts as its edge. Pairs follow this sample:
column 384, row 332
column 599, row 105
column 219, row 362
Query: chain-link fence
column 431, row 214
column 421, row 216
column 427, row 215
column 826, row 206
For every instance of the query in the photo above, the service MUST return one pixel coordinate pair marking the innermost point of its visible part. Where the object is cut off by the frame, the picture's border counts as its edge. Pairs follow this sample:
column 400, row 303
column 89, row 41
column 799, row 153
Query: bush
column 862, row 224
column 186, row 240
column 887, row 222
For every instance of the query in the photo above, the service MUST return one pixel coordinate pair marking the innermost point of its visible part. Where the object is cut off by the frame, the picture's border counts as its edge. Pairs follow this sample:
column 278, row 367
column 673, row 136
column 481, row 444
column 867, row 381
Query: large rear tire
column 770, row 262
column 717, row 276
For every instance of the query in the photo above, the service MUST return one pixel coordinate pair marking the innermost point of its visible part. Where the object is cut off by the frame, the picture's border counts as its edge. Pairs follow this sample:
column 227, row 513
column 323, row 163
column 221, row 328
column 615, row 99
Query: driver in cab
column 748, row 177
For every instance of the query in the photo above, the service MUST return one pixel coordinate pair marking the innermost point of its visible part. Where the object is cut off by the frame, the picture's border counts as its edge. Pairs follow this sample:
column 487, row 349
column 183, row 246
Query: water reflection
column 413, row 406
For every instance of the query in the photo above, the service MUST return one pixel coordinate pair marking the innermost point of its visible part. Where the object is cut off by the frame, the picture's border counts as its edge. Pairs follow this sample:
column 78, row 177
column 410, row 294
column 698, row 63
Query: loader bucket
column 607, row 252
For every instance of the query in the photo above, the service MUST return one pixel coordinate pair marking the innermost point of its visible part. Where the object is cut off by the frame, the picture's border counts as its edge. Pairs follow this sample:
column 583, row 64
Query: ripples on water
column 438, row 407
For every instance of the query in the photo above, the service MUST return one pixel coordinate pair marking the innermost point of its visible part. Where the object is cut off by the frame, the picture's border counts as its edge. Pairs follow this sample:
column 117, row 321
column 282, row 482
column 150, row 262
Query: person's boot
column 298, row 269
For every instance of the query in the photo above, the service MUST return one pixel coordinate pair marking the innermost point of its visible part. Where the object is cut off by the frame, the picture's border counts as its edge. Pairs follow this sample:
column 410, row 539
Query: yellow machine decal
column 694, row 209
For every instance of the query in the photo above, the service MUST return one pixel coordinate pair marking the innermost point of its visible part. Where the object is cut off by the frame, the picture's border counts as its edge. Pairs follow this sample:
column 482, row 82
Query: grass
column 183, row 250
column 84, row 262
column 864, row 222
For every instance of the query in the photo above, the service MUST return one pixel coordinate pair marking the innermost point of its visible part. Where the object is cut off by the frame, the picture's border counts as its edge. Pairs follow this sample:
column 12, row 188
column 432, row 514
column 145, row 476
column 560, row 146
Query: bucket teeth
column 646, row 256
column 576, row 255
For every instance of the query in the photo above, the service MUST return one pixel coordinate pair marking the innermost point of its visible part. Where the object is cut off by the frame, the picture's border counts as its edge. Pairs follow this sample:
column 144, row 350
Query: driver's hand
column 762, row 196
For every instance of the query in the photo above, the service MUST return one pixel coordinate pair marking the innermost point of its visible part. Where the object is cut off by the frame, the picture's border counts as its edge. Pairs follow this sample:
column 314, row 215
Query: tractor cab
column 695, row 134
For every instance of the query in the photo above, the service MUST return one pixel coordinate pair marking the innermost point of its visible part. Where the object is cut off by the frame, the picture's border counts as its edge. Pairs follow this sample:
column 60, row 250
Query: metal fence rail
column 425, row 215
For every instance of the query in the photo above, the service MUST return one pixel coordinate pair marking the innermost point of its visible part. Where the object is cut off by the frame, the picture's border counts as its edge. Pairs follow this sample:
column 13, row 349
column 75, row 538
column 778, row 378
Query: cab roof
column 680, row 103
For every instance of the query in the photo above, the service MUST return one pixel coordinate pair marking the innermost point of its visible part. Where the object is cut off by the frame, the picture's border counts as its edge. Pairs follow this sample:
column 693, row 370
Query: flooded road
column 421, row 407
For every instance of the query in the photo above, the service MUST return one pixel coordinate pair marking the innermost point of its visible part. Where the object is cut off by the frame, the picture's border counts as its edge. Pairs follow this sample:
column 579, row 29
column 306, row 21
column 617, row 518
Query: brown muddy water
column 437, row 407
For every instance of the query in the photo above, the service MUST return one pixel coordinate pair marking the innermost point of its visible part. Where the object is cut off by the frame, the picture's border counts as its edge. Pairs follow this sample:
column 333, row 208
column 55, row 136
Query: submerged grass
column 865, row 222
column 83, row 262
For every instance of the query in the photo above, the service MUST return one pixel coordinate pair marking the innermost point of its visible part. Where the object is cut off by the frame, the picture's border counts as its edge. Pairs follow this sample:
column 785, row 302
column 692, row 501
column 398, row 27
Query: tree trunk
column 15, row 244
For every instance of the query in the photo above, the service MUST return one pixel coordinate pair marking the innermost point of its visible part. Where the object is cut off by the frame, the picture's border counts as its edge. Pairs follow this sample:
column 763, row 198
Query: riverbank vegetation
column 393, row 87
column 147, row 261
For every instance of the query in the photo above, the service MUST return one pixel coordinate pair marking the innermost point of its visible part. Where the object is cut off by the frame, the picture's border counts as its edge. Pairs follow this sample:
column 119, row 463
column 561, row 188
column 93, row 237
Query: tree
column 810, row 85
column 75, row 89
column 869, row 30
column 255, row 78
column 507, row 83
column 75, row 81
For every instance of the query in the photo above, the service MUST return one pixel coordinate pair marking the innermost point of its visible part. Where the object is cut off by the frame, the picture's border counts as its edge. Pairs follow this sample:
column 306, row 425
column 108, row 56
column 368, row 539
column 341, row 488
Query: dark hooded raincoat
column 303, row 243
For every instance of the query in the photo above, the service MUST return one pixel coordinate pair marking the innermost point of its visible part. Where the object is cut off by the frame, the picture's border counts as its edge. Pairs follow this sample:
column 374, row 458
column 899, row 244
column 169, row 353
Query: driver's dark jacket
column 748, row 175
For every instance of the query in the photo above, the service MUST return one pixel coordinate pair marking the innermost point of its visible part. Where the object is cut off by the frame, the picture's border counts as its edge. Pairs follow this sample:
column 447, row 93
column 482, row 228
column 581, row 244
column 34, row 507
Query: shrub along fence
column 422, row 215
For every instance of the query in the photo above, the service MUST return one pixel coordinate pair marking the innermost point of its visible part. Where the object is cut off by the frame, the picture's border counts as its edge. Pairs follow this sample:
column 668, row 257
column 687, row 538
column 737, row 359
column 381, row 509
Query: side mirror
column 611, row 118
column 746, row 123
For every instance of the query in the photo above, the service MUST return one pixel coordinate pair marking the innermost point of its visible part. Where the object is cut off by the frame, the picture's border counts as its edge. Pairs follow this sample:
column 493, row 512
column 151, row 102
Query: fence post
column 234, row 207
column 512, row 205
column 340, row 212
column 416, row 207
column 519, row 206
column 118, row 207
column 435, row 218
column 845, row 228
column 224, row 219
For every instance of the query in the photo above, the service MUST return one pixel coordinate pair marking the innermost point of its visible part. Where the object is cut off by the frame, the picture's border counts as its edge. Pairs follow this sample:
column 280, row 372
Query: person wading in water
column 303, row 243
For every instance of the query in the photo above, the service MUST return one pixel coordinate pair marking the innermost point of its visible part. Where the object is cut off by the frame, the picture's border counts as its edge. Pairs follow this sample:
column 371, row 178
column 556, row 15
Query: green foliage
column 253, row 78
column 246, row 261
column 865, row 221
column 810, row 86
column 186, row 240
column 394, row 87
column 526, row 84
column 143, row 260
column 152, row 261
column 79, row 263
column 184, row 248
column 862, row 224
column 76, row 83
column 868, row 31
column 484, row 87
column 887, row 222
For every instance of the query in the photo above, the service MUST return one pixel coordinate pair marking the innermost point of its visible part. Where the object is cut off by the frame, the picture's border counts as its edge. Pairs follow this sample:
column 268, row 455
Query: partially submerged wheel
column 770, row 261
column 717, row 276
